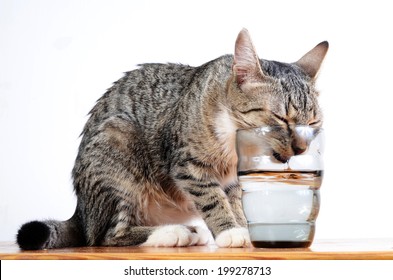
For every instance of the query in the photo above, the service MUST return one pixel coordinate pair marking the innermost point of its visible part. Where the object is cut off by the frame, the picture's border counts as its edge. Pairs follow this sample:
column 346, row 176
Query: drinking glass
column 280, row 170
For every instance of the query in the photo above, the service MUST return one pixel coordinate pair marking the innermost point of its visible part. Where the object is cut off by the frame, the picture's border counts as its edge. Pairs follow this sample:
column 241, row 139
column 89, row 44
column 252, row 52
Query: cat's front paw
column 234, row 237
column 177, row 236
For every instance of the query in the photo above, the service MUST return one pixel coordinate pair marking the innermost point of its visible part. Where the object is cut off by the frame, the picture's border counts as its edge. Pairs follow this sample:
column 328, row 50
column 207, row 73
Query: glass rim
column 272, row 126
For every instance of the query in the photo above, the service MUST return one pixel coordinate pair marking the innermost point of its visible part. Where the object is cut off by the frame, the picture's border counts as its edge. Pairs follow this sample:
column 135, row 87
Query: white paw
column 176, row 236
column 234, row 237
column 204, row 236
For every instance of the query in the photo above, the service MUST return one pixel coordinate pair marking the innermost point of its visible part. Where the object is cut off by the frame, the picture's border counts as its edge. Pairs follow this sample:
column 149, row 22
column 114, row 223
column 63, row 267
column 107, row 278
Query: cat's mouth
column 285, row 157
column 281, row 158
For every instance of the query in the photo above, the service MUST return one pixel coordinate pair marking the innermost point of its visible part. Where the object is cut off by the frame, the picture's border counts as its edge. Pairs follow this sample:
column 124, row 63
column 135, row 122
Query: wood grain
column 356, row 249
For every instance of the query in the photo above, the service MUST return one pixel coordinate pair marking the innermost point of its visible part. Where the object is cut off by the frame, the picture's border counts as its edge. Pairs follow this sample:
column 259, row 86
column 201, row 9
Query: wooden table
column 353, row 249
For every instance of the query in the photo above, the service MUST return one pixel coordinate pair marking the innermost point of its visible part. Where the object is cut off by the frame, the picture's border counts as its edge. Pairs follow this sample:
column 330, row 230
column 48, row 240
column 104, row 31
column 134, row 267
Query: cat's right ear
column 246, row 65
column 311, row 61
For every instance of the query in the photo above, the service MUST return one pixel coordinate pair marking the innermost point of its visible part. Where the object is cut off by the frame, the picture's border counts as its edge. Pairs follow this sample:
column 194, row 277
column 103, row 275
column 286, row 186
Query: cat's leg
column 113, row 217
column 135, row 209
column 157, row 236
column 109, row 214
column 229, row 237
column 234, row 194
column 113, row 184
column 216, row 210
column 118, row 230
column 218, row 214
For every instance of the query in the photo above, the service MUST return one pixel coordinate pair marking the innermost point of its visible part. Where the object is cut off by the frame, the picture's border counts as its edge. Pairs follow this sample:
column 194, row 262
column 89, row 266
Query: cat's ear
column 246, row 65
column 311, row 61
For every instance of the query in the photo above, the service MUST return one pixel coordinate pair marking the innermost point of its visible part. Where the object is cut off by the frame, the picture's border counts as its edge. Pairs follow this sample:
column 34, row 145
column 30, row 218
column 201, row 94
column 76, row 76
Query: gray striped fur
column 159, row 146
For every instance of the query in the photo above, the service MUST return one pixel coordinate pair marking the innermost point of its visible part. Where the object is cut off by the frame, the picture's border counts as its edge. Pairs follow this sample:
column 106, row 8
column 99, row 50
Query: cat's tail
column 48, row 234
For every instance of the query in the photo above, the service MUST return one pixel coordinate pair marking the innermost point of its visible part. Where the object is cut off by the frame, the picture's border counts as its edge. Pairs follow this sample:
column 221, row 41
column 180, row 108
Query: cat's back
column 142, row 94
column 167, row 82
column 158, row 81
column 151, row 85
column 152, row 90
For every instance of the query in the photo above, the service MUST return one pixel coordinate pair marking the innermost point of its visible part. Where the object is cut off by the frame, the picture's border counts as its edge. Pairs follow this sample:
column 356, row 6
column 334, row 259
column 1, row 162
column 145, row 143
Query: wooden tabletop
column 320, row 249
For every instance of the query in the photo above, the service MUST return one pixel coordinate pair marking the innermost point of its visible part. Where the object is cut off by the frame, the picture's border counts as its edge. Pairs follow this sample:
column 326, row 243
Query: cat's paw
column 234, row 237
column 177, row 236
column 203, row 236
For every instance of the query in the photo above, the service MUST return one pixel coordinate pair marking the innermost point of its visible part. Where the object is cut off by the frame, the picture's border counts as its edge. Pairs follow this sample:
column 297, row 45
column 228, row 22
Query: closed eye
column 252, row 110
column 314, row 123
column 280, row 118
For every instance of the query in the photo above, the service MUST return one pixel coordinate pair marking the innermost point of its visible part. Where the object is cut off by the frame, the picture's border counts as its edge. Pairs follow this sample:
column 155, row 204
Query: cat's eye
column 252, row 110
column 281, row 118
column 314, row 123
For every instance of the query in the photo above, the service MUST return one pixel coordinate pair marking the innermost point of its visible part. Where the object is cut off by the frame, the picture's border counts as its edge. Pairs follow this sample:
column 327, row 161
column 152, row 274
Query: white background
column 58, row 57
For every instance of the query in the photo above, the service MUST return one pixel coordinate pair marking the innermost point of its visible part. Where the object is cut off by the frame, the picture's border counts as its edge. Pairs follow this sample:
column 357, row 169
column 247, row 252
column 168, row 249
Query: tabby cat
column 159, row 150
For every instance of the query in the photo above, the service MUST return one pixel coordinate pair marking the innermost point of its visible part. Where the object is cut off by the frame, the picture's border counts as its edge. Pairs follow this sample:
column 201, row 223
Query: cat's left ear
column 246, row 65
column 311, row 61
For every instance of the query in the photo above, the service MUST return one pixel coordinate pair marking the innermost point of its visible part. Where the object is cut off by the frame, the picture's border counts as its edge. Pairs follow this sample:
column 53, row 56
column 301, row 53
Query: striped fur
column 158, row 150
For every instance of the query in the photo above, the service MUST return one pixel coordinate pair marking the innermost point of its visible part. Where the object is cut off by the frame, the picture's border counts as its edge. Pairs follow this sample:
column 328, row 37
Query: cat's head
column 271, row 93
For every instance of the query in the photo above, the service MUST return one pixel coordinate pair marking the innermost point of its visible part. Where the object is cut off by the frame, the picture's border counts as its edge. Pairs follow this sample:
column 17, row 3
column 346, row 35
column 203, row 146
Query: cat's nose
column 299, row 145
column 298, row 150
column 281, row 157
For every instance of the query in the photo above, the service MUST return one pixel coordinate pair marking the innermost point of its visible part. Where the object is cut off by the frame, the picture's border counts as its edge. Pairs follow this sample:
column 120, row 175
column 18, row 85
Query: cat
column 159, row 150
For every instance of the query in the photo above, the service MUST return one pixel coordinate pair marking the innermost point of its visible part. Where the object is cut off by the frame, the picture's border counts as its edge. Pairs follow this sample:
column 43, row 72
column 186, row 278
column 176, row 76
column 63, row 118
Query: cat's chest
column 225, row 131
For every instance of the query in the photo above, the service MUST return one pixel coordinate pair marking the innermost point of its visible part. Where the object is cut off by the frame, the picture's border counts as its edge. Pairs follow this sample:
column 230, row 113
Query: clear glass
column 280, row 170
